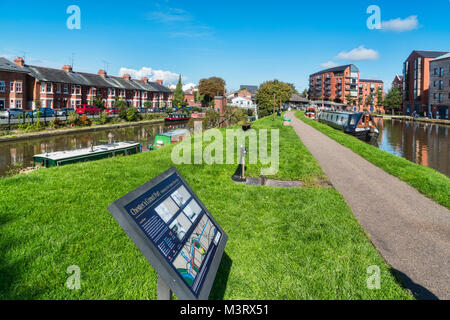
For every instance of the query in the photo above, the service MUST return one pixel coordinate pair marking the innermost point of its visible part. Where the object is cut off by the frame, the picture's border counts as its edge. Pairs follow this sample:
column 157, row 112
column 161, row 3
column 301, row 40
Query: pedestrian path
column 411, row 231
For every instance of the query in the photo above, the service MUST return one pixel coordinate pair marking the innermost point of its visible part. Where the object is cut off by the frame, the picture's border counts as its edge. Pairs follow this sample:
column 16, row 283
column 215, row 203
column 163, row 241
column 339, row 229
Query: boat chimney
column 92, row 146
column 110, row 138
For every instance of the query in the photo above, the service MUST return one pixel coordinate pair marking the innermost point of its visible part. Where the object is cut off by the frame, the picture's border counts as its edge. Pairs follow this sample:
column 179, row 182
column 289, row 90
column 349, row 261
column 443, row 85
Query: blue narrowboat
column 358, row 124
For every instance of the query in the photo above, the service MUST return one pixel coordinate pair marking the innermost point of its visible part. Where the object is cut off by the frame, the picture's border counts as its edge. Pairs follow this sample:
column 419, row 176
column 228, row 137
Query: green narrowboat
column 56, row 159
column 165, row 139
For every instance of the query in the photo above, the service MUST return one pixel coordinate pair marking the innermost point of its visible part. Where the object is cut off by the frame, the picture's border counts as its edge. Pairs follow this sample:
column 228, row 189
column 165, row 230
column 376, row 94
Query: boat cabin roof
column 176, row 133
column 344, row 112
column 85, row 151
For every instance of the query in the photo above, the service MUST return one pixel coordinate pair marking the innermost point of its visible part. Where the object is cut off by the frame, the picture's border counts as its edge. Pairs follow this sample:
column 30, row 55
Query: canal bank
column 294, row 244
column 412, row 119
column 411, row 231
column 67, row 131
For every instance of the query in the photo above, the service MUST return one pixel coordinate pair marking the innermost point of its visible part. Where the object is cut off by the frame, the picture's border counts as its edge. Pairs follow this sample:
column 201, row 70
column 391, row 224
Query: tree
column 379, row 98
column 393, row 100
column 122, row 105
column 211, row 88
column 282, row 92
column 178, row 95
column 304, row 94
column 98, row 102
column 369, row 101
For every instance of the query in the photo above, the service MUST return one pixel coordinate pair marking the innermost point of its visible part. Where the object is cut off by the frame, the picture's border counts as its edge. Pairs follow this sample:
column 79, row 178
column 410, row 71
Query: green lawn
column 428, row 181
column 283, row 243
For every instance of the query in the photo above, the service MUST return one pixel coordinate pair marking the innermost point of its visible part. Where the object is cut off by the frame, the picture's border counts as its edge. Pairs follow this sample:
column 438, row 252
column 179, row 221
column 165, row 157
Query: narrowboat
column 358, row 124
column 56, row 159
column 178, row 117
column 311, row 113
column 168, row 138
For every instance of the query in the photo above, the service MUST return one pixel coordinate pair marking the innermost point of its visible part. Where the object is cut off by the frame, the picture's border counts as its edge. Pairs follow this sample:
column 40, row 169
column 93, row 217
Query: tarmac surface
column 411, row 232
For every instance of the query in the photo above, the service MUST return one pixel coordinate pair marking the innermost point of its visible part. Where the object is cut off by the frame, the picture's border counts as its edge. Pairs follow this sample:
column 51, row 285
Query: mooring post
column 243, row 153
column 164, row 292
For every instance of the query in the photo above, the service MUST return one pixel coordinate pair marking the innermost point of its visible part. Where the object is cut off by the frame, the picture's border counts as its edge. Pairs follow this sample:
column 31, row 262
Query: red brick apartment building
column 342, row 85
column 439, row 104
column 22, row 85
column 370, row 88
column 416, row 81
column 398, row 83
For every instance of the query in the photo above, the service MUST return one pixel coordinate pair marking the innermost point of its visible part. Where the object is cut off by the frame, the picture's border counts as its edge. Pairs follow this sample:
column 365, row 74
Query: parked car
column 43, row 112
column 112, row 111
column 65, row 112
column 142, row 110
column 88, row 109
column 12, row 113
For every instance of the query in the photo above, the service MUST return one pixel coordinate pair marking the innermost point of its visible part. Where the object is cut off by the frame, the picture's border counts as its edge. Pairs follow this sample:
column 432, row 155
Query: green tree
column 98, row 101
column 178, row 95
column 304, row 94
column 369, row 101
column 379, row 97
column 271, row 92
column 122, row 105
column 393, row 100
column 211, row 88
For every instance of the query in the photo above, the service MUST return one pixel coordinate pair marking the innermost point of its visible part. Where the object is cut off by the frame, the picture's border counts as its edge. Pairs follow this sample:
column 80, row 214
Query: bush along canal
column 284, row 243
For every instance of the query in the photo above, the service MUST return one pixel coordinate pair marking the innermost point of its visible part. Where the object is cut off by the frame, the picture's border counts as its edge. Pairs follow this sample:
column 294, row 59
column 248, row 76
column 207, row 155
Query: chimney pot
column 159, row 82
column 67, row 68
column 145, row 79
column 127, row 76
column 19, row 62
column 102, row 73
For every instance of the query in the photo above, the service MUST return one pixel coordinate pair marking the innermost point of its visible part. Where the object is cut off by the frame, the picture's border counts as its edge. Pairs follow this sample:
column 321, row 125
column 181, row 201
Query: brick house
column 398, row 83
column 64, row 88
column 416, row 81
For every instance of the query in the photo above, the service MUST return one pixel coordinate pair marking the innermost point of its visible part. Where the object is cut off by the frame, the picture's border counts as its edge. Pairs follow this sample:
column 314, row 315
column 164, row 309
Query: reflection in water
column 422, row 143
column 23, row 151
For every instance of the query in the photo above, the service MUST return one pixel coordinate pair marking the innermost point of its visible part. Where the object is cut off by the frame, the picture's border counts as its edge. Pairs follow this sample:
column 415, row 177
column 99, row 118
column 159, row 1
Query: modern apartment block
column 439, row 102
column 342, row 85
column 370, row 88
column 22, row 85
column 416, row 81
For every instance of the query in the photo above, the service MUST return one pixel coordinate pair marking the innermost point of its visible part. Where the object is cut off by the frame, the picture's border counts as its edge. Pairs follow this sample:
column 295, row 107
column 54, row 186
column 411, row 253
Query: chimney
column 102, row 73
column 127, row 77
column 145, row 79
column 19, row 62
column 159, row 82
column 67, row 68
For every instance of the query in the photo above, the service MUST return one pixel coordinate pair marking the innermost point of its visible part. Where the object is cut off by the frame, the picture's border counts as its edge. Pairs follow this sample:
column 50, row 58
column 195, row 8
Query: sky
column 244, row 42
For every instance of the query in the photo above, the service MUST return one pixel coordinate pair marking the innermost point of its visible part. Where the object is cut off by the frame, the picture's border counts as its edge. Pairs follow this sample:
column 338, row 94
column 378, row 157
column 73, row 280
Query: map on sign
column 195, row 250
column 179, row 228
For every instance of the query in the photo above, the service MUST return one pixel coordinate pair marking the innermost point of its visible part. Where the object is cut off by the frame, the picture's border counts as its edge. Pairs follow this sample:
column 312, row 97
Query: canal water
column 23, row 151
column 422, row 143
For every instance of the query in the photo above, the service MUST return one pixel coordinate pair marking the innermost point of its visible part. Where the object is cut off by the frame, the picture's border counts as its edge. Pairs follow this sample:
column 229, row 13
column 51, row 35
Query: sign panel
column 175, row 232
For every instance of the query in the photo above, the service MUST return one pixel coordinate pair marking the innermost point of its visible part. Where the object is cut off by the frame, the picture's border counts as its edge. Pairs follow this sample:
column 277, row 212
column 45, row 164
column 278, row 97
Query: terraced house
column 22, row 85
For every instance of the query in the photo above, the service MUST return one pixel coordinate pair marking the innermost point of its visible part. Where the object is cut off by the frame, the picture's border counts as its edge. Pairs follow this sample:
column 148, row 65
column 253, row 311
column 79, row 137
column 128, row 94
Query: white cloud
column 400, row 25
column 359, row 54
column 187, row 86
column 167, row 76
column 329, row 64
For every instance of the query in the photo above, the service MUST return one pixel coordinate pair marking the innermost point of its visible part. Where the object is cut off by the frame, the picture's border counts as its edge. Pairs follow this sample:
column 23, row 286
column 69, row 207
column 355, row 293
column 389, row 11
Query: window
column 435, row 71
column 441, row 85
column 435, row 96
column 58, row 88
column 441, row 97
column 11, row 86
column 2, row 86
column 441, row 72
column 49, row 87
column 66, row 89
column 19, row 104
column 19, row 86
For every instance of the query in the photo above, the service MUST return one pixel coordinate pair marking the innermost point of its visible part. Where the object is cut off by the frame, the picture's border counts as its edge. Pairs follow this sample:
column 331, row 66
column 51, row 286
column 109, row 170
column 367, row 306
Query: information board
column 175, row 232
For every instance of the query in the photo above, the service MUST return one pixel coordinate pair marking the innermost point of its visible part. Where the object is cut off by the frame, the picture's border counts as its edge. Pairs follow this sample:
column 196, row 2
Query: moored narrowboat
column 311, row 113
column 358, row 124
column 178, row 117
column 56, row 159
column 168, row 138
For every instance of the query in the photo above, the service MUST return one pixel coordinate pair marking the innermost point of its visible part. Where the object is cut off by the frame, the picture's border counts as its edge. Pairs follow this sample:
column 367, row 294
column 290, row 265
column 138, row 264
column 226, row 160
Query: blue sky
column 244, row 42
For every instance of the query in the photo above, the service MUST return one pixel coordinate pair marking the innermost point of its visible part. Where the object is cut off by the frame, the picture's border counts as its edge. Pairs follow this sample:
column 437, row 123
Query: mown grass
column 427, row 181
column 283, row 243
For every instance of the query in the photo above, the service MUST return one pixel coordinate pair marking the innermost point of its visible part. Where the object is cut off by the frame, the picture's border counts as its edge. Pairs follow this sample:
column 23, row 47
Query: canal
column 422, row 143
column 22, row 152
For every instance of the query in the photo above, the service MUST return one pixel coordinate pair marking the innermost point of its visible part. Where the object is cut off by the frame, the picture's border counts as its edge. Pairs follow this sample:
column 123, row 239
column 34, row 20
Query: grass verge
column 283, row 243
column 427, row 181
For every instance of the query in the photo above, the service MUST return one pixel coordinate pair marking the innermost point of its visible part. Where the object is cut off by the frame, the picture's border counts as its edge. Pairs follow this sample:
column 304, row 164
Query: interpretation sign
column 175, row 232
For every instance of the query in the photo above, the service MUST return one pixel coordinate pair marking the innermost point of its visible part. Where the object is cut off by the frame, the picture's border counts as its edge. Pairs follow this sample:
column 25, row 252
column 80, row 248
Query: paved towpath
column 411, row 231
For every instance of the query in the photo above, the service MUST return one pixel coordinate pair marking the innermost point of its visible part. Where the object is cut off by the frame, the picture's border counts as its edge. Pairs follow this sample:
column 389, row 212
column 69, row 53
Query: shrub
column 132, row 114
column 73, row 118
column 85, row 121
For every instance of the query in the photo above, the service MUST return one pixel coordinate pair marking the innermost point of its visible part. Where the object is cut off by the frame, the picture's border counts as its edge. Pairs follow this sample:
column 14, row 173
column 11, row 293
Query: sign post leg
column 164, row 292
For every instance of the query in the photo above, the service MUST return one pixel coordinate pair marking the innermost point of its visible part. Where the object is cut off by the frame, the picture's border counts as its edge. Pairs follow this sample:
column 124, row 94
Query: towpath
column 411, row 231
